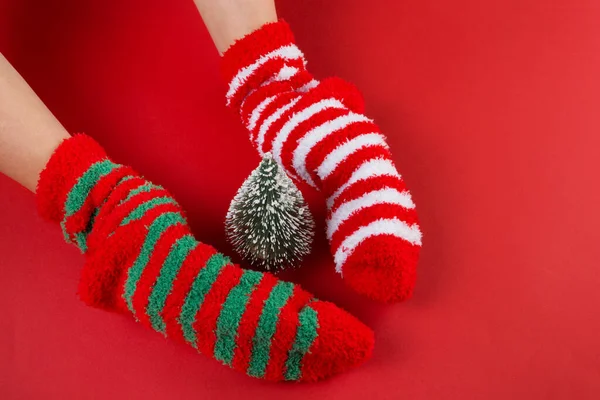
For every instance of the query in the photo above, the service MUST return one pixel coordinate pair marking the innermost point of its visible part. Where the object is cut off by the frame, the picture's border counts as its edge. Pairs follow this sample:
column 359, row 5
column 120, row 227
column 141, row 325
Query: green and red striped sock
column 142, row 259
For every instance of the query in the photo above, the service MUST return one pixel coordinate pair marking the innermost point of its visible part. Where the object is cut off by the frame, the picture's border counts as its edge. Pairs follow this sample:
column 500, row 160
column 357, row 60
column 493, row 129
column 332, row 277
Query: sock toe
column 383, row 268
column 343, row 342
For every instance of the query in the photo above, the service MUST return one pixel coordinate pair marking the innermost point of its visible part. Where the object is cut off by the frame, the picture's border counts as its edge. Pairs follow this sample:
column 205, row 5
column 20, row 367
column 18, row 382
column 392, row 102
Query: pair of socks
column 141, row 258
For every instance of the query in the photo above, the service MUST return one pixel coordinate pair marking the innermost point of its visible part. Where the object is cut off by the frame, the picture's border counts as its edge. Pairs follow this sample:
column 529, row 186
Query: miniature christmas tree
column 268, row 222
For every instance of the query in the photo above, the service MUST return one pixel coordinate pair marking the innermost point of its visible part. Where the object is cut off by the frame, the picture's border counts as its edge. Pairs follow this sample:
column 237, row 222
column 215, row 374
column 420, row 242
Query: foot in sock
column 142, row 259
column 318, row 133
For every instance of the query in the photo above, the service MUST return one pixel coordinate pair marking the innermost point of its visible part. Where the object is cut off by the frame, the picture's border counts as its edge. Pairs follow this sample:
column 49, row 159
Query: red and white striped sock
column 317, row 131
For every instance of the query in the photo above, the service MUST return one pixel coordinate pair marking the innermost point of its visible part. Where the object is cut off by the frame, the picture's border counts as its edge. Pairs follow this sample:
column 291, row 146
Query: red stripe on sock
column 266, row 71
column 150, row 274
column 319, row 152
column 276, row 104
column 258, row 96
column 79, row 221
column 367, row 215
column 346, row 168
column 305, row 101
column 285, row 335
column 290, row 145
column 192, row 265
column 276, row 88
column 107, row 183
column 345, row 92
column 300, row 79
column 106, row 223
column 123, row 210
column 100, row 234
column 249, row 322
column 136, row 233
column 205, row 323
column 119, row 194
column 331, row 142
column 105, row 271
column 277, row 125
column 357, row 189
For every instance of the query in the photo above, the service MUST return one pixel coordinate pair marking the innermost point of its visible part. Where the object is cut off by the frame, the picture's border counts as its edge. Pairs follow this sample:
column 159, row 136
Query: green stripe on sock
column 202, row 284
column 157, row 228
column 125, row 179
column 143, row 208
column 305, row 336
column 164, row 282
column 266, row 328
column 146, row 187
column 81, row 241
column 80, row 238
column 63, row 227
column 231, row 315
column 81, row 190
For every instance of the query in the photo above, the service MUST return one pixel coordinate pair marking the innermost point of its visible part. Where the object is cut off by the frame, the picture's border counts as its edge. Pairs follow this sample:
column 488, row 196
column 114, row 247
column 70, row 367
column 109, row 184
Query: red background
column 492, row 110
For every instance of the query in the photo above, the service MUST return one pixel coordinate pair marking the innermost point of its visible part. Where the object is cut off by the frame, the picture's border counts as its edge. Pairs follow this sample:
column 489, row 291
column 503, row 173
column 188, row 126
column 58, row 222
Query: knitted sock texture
column 141, row 259
column 318, row 133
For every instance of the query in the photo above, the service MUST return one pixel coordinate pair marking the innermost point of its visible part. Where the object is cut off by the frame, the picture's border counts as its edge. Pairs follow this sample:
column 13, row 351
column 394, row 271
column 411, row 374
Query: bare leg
column 29, row 133
column 228, row 20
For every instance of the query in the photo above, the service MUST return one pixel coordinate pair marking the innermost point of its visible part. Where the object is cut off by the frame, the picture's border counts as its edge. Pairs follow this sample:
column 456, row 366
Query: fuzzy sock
column 142, row 259
column 318, row 133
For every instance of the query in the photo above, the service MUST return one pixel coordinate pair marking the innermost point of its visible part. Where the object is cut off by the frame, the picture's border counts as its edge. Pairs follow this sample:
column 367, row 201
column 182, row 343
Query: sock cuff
column 69, row 161
column 251, row 47
column 267, row 56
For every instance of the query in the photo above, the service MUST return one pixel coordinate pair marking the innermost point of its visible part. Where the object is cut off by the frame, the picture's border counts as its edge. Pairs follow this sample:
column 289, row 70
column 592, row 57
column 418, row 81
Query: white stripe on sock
column 344, row 150
column 288, row 52
column 260, row 139
column 382, row 196
column 392, row 226
column 308, row 141
column 368, row 169
column 255, row 116
column 310, row 85
column 297, row 119
column 285, row 73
